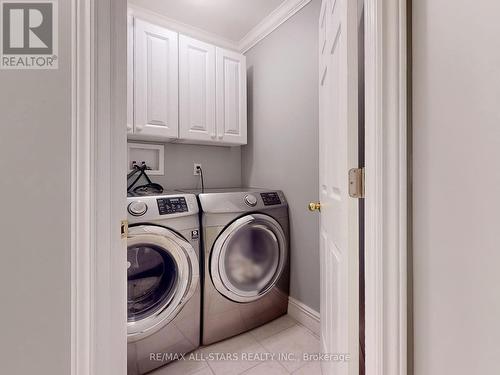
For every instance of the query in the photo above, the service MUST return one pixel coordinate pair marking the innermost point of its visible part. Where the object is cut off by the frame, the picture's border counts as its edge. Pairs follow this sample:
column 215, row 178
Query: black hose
column 202, row 180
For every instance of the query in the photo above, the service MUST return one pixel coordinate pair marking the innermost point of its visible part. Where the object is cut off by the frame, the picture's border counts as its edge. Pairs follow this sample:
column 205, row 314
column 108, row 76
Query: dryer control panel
column 270, row 199
column 168, row 206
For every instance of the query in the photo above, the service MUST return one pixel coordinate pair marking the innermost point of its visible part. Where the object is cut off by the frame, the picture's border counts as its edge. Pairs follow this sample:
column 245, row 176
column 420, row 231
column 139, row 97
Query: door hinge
column 124, row 229
column 357, row 183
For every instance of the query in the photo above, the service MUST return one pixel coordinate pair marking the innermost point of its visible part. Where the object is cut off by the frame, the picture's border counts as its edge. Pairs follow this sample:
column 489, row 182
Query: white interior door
column 156, row 81
column 339, row 213
column 196, row 89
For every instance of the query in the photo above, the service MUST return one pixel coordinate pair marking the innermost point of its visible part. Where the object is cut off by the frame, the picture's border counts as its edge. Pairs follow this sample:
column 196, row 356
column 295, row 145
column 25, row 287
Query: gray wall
column 282, row 152
column 35, row 140
column 221, row 166
column 456, row 178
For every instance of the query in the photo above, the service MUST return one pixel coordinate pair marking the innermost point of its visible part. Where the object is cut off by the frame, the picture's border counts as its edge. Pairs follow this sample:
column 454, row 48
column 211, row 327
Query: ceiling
column 231, row 19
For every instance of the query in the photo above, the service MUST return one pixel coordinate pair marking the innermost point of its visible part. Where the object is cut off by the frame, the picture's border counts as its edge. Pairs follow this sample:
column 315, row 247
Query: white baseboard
column 304, row 315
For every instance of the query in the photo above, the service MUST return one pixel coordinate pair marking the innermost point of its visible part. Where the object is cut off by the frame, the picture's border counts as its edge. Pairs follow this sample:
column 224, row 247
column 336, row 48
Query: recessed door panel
column 156, row 81
column 231, row 97
column 197, row 90
column 130, row 74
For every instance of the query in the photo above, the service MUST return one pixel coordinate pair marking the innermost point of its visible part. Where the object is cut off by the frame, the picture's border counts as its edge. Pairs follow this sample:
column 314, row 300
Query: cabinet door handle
column 213, row 136
column 129, row 127
column 221, row 136
column 139, row 128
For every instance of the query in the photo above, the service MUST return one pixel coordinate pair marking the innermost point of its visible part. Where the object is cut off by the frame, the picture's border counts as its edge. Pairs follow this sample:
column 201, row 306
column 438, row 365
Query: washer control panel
column 270, row 199
column 168, row 206
column 161, row 207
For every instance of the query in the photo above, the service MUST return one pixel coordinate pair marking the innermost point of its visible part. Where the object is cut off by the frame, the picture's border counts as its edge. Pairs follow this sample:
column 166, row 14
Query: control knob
column 251, row 200
column 137, row 208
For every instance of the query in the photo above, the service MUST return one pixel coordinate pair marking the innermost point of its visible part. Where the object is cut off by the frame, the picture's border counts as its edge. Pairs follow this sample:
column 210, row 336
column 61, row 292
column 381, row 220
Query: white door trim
column 98, row 266
column 82, row 202
column 386, row 187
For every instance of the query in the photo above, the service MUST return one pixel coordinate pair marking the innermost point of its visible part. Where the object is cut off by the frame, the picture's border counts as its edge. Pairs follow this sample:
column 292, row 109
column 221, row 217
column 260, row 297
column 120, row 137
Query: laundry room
column 223, row 162
column 226, row 187
column 254, row 187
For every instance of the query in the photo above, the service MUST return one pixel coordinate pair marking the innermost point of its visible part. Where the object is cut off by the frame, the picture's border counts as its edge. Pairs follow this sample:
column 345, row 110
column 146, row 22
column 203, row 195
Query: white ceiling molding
column 281, row 14
column 182, row 28
column 276, row 18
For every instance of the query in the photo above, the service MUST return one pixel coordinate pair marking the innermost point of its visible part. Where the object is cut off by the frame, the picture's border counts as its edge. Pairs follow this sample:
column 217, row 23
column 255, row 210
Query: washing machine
column 246, row 260
column 163, row 279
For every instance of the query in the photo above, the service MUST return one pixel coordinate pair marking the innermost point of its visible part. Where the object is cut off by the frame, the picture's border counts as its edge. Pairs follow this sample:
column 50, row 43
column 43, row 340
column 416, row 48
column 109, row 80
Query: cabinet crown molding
column 182, row 28
column 270, row 23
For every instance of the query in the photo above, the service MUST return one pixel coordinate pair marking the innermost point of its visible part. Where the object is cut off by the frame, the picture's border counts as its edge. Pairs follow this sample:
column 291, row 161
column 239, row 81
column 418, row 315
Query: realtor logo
column 29, row 35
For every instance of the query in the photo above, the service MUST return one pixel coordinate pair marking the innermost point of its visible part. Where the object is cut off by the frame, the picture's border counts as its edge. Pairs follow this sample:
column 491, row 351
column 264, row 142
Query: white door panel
column 231, row 97
column 156, row 81
column 130, row 74
column 197, row 90
column 339, row 212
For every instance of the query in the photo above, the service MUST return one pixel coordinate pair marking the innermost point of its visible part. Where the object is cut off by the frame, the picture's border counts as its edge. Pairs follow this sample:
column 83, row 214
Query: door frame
column 98, row 152
column 98, row 261
column 386, row 204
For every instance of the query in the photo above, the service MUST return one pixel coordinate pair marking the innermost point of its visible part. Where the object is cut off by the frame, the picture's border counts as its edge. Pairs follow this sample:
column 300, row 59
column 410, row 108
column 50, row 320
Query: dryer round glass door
column 162, row 275
column 248, row 258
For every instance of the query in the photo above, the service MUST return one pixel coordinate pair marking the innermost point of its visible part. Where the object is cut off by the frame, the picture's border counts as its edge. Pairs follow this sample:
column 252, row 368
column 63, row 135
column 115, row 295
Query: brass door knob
column 314, row 206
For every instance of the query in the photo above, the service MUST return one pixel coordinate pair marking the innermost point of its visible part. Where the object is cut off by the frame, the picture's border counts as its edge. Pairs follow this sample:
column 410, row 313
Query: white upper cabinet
column 231, row 97
column 196, row 90
column 156, row 104
column 183, row 90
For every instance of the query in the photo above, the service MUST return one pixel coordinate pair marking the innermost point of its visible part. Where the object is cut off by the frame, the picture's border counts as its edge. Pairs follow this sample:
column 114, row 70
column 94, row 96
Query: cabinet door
column 156, row 81
column 197, row 90
column 130, row 74
column 231, row 97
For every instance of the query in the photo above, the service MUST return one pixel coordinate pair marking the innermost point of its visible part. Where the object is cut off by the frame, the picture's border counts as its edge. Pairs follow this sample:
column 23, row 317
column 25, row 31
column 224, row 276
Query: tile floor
column 283, row 335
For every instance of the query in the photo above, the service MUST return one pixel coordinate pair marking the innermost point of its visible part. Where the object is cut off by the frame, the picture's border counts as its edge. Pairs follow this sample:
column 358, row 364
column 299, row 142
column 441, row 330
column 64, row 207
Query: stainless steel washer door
column 163, row 272
column 248, row 258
